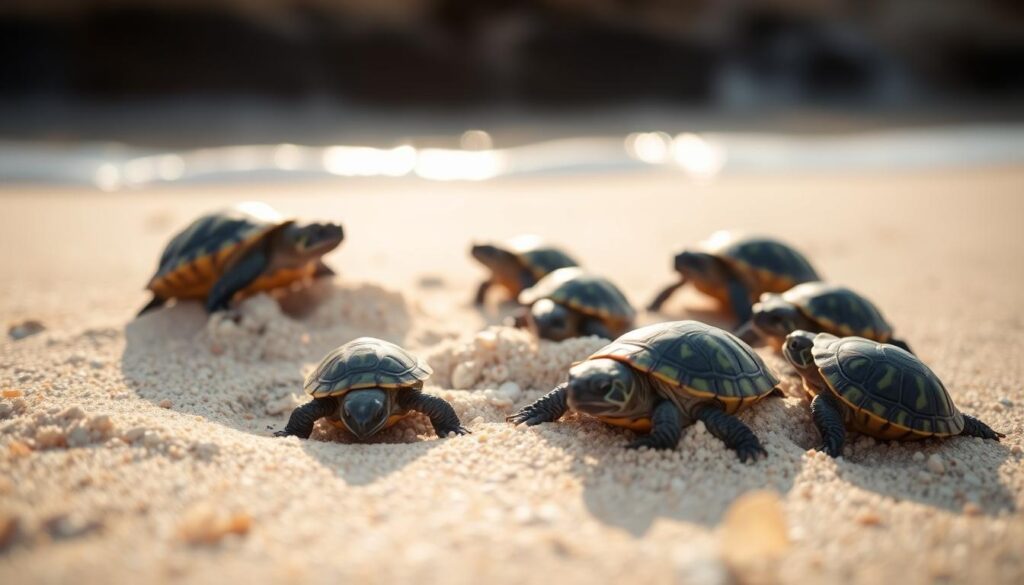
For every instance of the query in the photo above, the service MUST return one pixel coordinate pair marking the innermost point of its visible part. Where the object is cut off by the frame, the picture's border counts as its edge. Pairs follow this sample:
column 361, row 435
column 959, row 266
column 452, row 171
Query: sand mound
column 250, row 362
column 498, row 356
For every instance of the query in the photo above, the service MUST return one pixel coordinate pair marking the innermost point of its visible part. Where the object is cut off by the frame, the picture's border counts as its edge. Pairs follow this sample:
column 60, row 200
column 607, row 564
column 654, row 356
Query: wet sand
column 139, row 450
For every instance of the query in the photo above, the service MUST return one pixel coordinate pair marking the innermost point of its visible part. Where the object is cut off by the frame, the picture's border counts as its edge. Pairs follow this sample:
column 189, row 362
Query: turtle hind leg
column 300, row 423
column 154, row 304
column 731, row 431
column 828, row 417
column 975, row 428
column 666, row 428
column 547, row 408
column 235, row 279
column 901, row 344
column 595, row 327
column 442, row 415
column 663, row 296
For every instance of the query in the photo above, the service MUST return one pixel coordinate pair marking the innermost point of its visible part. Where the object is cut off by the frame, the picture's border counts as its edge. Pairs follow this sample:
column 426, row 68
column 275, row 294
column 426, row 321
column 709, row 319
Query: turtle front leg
column 731, row 431
column 547, row 408
column 323, row 270
column 975, row 428
column 300, row 423
column 739, row 298
column 481, row 292
column 666, row 428
column 664, row 295
column 237, row 278
column 828, row 417
column 156, row 303
column 747, row 332
column 442, row 415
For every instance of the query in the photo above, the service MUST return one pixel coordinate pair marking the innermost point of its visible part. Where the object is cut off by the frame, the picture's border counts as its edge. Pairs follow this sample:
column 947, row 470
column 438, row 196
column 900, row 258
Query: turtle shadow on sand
column 955, row 472
column 247, row 372
column 695, row 483
column 364, row 463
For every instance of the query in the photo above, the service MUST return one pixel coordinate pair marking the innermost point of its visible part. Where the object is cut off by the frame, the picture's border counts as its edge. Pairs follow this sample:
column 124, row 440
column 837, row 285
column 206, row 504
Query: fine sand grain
column 139, row 450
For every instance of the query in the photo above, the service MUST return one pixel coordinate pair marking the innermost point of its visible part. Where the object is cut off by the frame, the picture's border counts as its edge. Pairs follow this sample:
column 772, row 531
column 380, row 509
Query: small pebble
column 918, row 457
column 134, row 434
column 869, row 519
column 935, row 464
column 165, row 403
column 19, row 449
column 9, row 528
column 757, row 519
column 11, row 393
column 25, row 329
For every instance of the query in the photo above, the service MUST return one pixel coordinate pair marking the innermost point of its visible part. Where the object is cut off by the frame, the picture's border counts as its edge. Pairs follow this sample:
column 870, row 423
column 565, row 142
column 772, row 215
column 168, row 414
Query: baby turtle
column 367, row 385
column 518, row 264
column 736, row 270
column 876, row 389
column 820, row 308
column 661, row 378
column 244, row 249
column 571, row 303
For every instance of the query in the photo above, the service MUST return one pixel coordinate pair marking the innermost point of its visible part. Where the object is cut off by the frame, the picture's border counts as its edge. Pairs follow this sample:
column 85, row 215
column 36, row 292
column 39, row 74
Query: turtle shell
column 539, row 258
column 589, row 294
column 839, row 310
column 366, row 362
column 893, row 395
column 196, row 257
column 767, row 264
column 695, row 358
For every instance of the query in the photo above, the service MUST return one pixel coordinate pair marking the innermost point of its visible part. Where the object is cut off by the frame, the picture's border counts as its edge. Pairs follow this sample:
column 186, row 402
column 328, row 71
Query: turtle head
column 365, row 411
column 602, row 387
column 549, row 320
column 312, row 240
column 797, row 350
column 696, row 265
column 774, row 317
column 493, row 257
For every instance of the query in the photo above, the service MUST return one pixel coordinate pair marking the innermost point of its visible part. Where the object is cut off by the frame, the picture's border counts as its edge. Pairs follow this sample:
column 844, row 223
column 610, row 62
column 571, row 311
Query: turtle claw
column 459, row 431
column 751, row 453
column 641, row 443
column 527, row 417
column 830, row 450
column 520, row 417
column 282, row 433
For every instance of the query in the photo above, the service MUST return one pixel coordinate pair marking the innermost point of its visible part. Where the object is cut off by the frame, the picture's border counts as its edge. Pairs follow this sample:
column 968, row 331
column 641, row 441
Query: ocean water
column 473, row 155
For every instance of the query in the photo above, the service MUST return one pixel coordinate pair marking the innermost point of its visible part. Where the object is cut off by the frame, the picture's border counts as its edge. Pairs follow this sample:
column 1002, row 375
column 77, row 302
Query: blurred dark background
column 550, row 53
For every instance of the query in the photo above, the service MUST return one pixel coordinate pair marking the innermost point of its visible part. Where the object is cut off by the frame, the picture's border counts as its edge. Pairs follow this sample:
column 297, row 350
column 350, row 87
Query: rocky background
column 448, row 53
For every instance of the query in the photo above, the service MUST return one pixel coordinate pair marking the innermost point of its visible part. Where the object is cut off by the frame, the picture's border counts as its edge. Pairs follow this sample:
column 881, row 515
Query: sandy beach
column 139, row 450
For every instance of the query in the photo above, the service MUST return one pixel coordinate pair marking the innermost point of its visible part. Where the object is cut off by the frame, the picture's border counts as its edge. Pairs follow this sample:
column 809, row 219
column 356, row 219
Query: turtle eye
column 617, row 393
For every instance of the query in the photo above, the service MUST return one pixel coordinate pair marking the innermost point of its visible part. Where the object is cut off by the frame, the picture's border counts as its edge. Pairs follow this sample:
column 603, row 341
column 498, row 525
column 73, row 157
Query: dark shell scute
column 545, row 260
column 694, row 355
column 888, row 383
column 366, row 363
column 772, row 256
column 206, row 235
